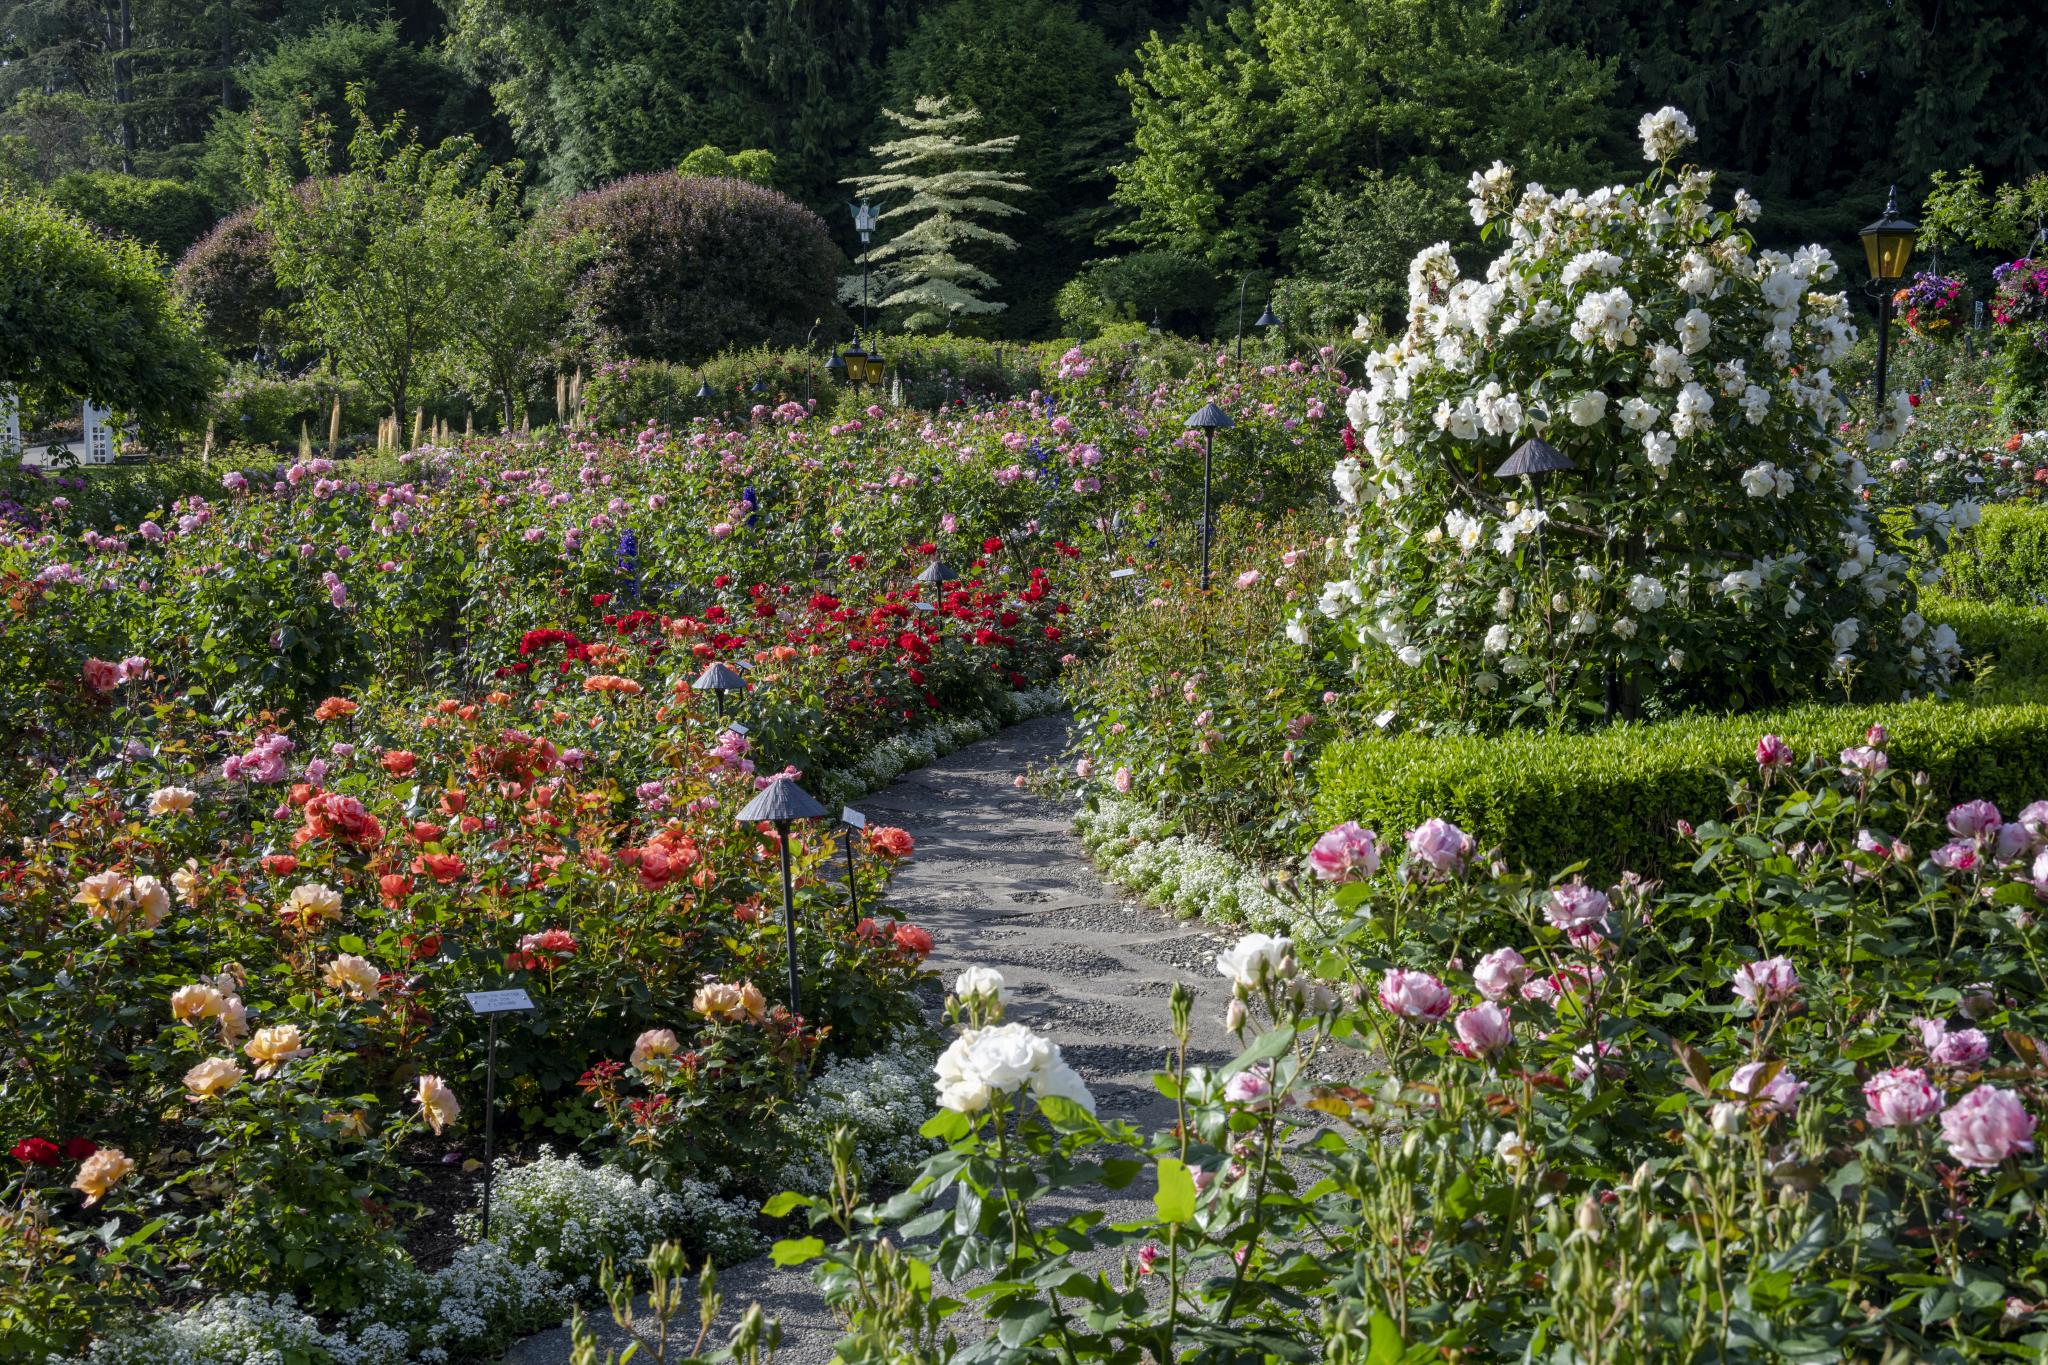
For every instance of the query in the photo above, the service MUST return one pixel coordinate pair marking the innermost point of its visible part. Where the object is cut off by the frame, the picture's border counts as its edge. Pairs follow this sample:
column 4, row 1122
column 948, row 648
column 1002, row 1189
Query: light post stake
column 1887, row 245
column 1242, row 282
column 779, row 803
column 864, row 220
column 718, row 679
column 490, row 1117
column 1209, row 420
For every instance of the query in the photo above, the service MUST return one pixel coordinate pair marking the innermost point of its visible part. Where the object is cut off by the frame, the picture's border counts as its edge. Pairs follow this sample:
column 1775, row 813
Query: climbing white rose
column 1588, row 408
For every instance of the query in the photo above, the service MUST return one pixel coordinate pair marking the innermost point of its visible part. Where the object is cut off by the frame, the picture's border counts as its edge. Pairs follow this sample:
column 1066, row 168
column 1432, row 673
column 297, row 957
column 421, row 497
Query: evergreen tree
column 920, row 271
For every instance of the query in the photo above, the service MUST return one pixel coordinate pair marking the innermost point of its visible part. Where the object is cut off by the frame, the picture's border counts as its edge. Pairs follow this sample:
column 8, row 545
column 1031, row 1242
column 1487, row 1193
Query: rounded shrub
column 692, row 266
column 165, row 214
column 227, row 277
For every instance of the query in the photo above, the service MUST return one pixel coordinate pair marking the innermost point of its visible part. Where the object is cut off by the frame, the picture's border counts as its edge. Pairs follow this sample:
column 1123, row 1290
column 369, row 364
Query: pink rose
column 1085, row 769
column 101, row 676
column 1877, row 735
column 1500, row 973
column 1779, row 1095
column 1252, row 1087
column 1347, row 853
column 1958, row 855
column 1986, row 1126
column 1864, row 762
column 1900, row 1098
column 1486, row 1029
column 2035, row 818
column 1959, row 1047
column 1772, row 752
column 1575, row 905
column 1415, row 995
column 1441, row 845
column 1122, row 781
column 1974, row 820
column 1767, row 982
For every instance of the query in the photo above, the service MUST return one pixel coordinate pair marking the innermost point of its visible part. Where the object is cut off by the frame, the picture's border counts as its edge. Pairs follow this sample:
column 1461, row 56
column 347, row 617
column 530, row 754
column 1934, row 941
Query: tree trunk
column 120, row 30
column 227, row 59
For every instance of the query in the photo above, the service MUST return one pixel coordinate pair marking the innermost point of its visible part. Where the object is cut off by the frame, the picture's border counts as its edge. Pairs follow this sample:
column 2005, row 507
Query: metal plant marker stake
column 491, row 1004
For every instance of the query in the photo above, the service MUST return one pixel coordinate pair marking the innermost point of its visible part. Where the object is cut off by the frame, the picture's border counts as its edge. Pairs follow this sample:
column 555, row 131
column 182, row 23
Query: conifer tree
column 948, row 185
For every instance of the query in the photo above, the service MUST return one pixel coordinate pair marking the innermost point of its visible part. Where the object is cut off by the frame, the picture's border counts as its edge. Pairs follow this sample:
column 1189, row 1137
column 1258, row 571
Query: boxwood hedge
column 1614, row 796
column 2004, row 558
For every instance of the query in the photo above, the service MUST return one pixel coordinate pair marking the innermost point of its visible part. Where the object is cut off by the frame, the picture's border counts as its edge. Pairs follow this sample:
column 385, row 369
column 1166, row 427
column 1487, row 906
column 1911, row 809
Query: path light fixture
column 719, row 679
column 1887, row 246
column 704, row 389
column 937, row 574
column 836, row 367
column 1267, row 319
column 864, row 221
column 1208, row 420
column 1533, row 459
column 856, row 363
column 778, row 803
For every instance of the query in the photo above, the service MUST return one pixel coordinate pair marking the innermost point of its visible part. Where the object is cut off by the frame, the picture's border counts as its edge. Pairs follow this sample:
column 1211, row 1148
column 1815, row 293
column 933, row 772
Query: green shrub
column 2004, row 558
column 635, row 392
column 2005, row 647
column 166, row 214
column 693, row 266
column 1178, row 290
column 267, row 411
column 1614, row 797
column 82, row 316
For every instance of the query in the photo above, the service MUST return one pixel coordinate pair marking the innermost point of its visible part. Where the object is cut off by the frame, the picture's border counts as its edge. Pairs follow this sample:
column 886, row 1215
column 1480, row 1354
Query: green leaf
column 1265, row 1048
column 1385, row 1341
column 781, row 1205
column 797, row 1250
column 1175, row 1201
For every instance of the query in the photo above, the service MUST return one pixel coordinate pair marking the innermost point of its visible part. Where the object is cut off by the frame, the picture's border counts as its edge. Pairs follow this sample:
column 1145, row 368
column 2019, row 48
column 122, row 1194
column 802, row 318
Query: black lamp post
column 778, row 803
column 718, row 680
column 1209, row 420
column 864, row 220
column 1887, row 244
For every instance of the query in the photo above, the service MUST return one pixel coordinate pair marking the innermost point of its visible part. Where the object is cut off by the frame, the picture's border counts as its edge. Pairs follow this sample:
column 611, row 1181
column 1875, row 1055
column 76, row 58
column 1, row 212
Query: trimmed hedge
column 2004, row 558
column 1614, row 796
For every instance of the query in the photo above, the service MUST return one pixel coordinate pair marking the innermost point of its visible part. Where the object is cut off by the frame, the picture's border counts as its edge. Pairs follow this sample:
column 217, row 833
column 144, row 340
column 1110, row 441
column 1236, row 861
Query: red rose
column 78, row 1149
column 394, row 887
column 35, row 1152
column 444, row 868
column 913, row 940
column 280, row 864
column 426, row 833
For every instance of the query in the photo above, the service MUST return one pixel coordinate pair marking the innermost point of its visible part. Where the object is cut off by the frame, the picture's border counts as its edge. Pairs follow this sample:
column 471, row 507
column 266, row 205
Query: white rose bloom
column 1845, row 634
column 1668, row 365
column 1741, row 582
column 1646, row 593
column 1588, row 408
column 1756, row 401
column 1912, row 625
column 1760, row 480
column 961, row 1088
column 1590, row 263
column 1349, row 478
column 1697, row 276
column 1297, row 631
column 1694, row 403
column 1255, row 958
column 1007, row 1056
column 1465, row 531
column 1060, row 1079
column 1626, row 627
column 1659, row 447
column 1584, row 623
column 979, row 983
column 1358, row 409
column 1695, row 330
column 1665, row 134
column 1498, row 638
column 1639, row 415
column 1409, row 655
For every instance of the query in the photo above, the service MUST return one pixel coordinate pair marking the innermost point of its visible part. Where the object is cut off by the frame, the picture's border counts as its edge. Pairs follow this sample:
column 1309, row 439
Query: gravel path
column 1000, row 882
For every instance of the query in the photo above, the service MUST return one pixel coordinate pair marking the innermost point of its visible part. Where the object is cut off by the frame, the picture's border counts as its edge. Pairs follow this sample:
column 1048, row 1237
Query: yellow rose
column 190, row 1004
column 185, row 881
column 655, row 1043
column 170, row 800
column 355, row 1124
column 437, row 1102
column 355, row 975
column 101, row 1172
column 274, row 1046
column 752, row 1003
column 102, row 890
column 212, row 1078
column 152, row 898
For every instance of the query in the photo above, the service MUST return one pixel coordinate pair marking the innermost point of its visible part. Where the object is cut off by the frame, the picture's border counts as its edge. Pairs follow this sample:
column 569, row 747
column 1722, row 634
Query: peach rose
column 102, row 1171
column 355, row 975
column 196, row 1002
column 212, row 1078
column 656, row 1043
column 437, row 1103
column 309, row 906
column 274, row 1046
column 171, row 800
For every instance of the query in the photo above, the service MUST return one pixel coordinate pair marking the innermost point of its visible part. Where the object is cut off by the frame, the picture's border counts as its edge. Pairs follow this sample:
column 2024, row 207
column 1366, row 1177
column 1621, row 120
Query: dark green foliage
column 310, row 75
column 596, row 91
column 2004, row 558
column 166, row 214
column 1614, row 796
column 227, row 277
column 1038, row 71
column 85, row 316
column 692, row 267
column 1359, row 242
column 640, row 392
column 1179, row 291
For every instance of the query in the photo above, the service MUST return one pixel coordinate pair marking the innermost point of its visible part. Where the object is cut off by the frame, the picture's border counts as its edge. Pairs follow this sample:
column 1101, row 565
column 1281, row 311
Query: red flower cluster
column 342, row 819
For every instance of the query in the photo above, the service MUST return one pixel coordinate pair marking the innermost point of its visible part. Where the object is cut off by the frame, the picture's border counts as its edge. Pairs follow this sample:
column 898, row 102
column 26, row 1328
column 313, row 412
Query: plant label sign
column 737, row 728
column 922, row 606
column 849, row 816
column 497, row 1002
column 1123, row 573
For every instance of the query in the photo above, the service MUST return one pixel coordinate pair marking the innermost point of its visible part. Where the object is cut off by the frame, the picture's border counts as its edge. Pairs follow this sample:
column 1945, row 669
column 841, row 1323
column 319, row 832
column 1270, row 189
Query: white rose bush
column 1707, row 546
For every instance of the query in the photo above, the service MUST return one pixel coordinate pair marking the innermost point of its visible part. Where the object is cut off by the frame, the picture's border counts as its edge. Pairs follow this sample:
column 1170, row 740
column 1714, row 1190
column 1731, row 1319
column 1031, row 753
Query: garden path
column 1001, row 882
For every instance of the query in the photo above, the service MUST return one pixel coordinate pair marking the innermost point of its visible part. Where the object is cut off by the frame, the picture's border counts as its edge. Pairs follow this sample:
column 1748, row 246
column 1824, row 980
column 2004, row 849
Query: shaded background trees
column 1317, row 142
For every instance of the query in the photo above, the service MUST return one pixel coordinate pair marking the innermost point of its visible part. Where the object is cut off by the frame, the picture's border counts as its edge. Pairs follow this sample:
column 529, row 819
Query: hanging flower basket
column 1932, row 306
column 2019, row 296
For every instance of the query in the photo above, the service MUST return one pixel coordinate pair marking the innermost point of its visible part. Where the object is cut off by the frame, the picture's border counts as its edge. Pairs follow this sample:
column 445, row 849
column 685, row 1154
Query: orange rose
column 444, row 868
column 334, row 708
column 399, row 762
